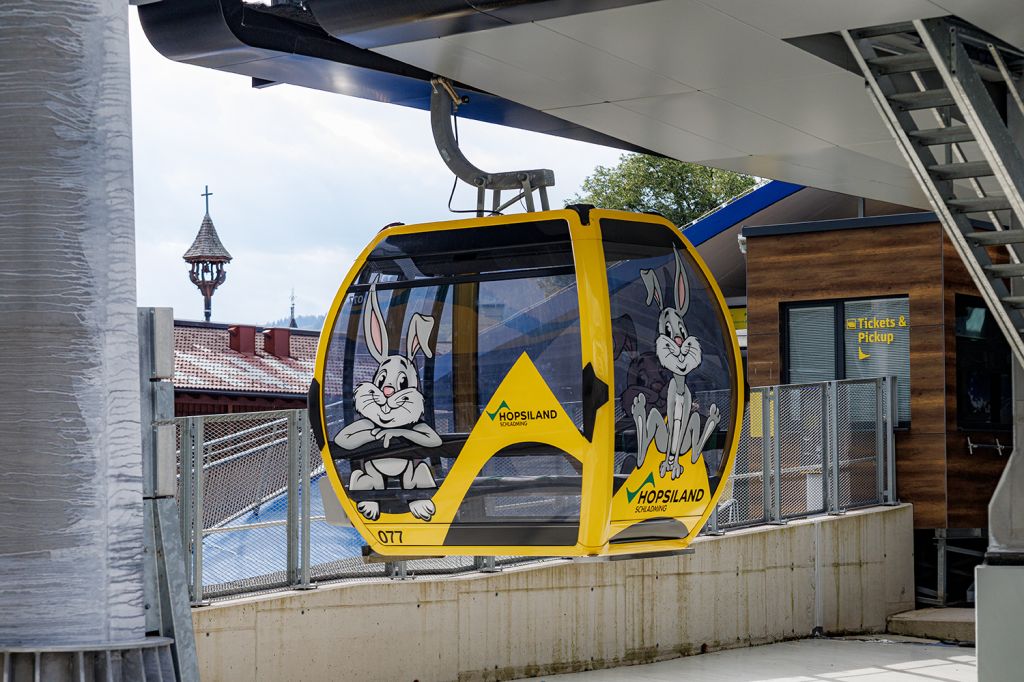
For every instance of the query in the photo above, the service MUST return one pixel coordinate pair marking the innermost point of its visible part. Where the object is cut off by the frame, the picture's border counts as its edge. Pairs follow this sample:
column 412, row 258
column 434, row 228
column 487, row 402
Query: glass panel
column 495, row 250
column 440, row 318
column 983, row 386
column 877, row 344
column 535, row 483
column 638, row 301
column 812, row 344
column 538, row 316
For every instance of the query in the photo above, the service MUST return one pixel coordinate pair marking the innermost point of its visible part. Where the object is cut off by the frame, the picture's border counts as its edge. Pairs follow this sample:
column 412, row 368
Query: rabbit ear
column 418, row 336
column 650, row 279
column 374, row 328
column 682, row 286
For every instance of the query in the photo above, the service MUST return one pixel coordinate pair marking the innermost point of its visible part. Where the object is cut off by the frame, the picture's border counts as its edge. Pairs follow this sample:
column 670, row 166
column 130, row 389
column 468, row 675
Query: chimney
column 242, row 338
column 277, row 342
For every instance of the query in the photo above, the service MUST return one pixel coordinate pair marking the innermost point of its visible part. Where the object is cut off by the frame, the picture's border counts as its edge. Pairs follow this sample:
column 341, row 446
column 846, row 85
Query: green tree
column 678, row 190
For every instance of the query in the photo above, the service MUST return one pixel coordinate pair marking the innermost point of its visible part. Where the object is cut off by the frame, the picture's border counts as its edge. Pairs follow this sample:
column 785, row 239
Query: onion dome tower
column 207, row 256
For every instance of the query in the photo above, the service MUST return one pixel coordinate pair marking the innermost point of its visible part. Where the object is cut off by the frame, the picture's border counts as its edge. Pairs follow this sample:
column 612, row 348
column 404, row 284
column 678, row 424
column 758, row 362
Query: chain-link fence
column 252, row 515
column 247, row 522
column 811, row 449
column 743, row 499
column 237, row 519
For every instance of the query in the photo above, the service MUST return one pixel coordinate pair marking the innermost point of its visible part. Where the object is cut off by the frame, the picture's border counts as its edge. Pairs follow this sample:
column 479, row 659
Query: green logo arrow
column 630, row 494
column 503, row 406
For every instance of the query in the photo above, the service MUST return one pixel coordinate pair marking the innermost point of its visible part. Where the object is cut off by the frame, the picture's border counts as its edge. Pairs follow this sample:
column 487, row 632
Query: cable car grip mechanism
column 443, row 100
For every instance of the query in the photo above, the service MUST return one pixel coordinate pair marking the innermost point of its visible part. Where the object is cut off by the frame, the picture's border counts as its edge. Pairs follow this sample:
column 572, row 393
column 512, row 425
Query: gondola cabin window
column 425, row 338
column 674, row 363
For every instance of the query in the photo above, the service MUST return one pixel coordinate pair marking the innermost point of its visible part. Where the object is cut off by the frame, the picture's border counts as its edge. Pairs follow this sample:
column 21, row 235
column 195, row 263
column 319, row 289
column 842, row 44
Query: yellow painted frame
column 596, row 525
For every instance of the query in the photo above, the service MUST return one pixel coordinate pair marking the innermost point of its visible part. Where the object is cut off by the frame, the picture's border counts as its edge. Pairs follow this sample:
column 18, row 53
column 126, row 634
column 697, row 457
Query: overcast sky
column 301, row 181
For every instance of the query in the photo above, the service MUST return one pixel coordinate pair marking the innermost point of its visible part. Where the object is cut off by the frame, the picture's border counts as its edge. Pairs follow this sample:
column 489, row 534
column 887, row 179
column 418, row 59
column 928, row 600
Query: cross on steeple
column 207, row 194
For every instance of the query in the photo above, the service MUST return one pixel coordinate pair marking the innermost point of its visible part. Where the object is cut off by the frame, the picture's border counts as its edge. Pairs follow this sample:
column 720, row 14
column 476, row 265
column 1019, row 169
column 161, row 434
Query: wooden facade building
column 899, row 257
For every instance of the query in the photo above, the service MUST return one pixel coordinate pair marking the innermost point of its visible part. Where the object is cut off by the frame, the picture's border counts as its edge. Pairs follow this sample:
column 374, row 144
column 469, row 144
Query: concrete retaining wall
column 747, row 587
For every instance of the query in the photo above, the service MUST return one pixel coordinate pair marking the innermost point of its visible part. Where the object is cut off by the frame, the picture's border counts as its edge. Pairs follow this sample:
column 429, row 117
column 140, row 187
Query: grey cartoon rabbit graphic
column 391, row 406
column 679, row 353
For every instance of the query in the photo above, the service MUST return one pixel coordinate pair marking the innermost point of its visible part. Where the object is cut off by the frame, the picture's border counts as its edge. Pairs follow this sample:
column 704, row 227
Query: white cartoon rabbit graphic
column 680, row 353
column 391, row 406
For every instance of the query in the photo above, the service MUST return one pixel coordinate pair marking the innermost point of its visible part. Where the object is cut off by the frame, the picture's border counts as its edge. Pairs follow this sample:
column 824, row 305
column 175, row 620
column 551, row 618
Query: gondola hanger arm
column 442, row 99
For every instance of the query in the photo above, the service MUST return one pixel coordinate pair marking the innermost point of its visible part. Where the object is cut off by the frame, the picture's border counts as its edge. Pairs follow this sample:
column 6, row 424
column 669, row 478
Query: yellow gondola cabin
column 562, row 383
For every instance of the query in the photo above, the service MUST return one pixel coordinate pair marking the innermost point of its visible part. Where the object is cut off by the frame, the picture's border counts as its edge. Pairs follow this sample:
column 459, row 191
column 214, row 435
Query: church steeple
column 207, row 256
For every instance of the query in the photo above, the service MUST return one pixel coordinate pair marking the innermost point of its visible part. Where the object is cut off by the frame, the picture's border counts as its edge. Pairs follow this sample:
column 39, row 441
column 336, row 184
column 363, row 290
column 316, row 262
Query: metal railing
column 252, row 518
column 810, row 449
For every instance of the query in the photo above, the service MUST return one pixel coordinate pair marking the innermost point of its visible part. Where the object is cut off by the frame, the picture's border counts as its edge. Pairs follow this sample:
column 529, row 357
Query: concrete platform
column 950, row 625
column 808, row 660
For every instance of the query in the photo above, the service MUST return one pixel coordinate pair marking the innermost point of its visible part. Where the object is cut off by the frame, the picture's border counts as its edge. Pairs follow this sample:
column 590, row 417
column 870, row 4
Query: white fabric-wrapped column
column 70, row 463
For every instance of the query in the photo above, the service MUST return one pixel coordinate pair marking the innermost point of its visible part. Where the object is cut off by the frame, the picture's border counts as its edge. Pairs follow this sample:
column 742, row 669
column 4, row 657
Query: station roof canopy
column 774, row 203
column 765, row 88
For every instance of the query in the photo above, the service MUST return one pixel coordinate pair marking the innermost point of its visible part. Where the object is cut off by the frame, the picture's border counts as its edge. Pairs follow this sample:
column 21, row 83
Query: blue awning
column 740, row 209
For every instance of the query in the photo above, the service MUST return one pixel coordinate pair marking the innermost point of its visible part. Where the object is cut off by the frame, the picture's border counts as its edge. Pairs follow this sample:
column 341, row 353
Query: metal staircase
column 947, row 91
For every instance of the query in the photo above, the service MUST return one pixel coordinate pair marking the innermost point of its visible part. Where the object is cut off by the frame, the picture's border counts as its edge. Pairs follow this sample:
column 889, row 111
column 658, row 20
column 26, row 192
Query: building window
column 852, row 339
column 812, row 347
column 983, row 391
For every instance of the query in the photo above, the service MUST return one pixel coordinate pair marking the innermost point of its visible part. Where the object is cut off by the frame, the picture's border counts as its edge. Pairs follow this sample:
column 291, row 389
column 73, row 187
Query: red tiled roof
column 204, row 361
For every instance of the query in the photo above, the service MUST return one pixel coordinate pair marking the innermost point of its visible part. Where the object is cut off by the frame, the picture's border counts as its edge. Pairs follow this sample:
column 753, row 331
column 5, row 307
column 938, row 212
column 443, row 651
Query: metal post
column 166, row 584
column 767, row 434
column 777, row 457
column 175, row 615
column 307, row 494
column 292, row 527
column 941, row 581
column 197, row 520
column 711, row 528
column 833, row 427
column 186, row 504
column 826, row 462
column 528, row 195
column 826, row 446
column 880, row 422
column 892, row 418
column 396, row 570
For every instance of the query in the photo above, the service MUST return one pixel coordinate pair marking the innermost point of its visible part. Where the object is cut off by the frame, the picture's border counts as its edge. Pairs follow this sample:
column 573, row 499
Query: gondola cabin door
column 560, row 383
